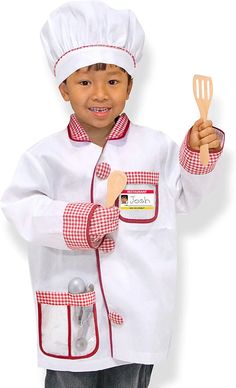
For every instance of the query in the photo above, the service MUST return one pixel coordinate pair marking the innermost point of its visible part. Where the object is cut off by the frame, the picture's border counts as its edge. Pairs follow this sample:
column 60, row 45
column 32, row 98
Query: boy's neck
column 98, row 135
column 79, row 131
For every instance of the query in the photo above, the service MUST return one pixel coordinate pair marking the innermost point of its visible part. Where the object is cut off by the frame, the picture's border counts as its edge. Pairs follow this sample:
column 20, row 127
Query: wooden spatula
column 115, row 184
column 203, row 90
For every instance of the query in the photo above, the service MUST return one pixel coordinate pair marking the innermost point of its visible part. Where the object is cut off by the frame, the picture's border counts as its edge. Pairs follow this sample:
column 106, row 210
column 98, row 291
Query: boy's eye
column 113, row 82
column 84, row 83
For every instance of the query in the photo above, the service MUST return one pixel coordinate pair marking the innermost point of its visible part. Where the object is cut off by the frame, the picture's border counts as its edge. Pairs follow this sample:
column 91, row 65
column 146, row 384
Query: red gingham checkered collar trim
column 77, row 133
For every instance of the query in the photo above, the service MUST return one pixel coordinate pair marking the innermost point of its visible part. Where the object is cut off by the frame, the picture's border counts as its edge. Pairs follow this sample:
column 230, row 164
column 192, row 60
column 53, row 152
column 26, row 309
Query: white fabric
column 116, row 35
column 139, row 276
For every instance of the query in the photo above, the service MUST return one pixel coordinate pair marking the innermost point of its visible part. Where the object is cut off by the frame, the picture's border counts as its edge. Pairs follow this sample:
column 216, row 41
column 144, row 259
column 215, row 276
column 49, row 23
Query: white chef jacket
column 131, row 307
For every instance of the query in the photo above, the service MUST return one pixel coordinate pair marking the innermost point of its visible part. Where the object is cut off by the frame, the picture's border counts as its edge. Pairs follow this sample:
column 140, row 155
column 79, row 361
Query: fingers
column 212, row 141
column 215, row 144
column 206, row 131
column 208, row 135
column 203, row 133
column 196, row 125
column 201, row 124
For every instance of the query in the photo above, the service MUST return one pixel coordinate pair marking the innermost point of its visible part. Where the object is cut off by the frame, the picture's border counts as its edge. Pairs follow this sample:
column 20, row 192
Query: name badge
column 137, row 200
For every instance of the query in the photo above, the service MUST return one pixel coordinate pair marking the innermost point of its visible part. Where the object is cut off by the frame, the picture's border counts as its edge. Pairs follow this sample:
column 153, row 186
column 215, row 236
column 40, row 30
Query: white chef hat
column 82, row 33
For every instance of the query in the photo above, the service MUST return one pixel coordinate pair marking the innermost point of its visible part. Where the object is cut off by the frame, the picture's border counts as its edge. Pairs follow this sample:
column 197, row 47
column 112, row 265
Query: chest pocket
column 138, row 202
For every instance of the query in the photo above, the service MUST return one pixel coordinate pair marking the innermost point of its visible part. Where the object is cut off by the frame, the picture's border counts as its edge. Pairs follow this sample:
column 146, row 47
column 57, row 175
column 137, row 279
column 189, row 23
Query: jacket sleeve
column 187, row 179
column 28, row 205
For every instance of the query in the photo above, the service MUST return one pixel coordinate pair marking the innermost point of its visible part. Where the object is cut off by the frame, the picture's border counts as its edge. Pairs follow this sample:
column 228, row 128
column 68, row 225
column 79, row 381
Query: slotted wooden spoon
column 115, row 184
column 203, row 91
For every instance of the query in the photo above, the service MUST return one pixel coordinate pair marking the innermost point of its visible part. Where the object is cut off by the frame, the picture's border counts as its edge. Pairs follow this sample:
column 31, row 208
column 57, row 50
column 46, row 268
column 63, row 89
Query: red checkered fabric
column 142, row 177
column 104, row 221
column 116, row 318
column 103, row 170
column 120, row 128
column 76, row 220
column 77, row 133
column 86, row 224
column 189, row 159
column 65, row 299
column 107, row 245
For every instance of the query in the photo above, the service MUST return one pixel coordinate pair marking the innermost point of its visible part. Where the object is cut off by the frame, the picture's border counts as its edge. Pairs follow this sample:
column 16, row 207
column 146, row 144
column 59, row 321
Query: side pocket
column 67, row 324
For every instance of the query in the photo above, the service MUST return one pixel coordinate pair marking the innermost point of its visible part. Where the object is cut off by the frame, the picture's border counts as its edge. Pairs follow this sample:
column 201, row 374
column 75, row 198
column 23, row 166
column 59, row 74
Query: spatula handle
column 204, row 154
column 204, row 149
column 115, row 185
column 203, row 90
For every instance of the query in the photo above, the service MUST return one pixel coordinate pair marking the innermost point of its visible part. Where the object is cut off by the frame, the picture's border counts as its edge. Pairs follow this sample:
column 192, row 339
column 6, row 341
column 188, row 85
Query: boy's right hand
column 104, row 221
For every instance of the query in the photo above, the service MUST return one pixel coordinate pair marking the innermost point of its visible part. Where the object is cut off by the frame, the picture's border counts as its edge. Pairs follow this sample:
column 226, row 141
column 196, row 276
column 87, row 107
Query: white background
column 183, row 37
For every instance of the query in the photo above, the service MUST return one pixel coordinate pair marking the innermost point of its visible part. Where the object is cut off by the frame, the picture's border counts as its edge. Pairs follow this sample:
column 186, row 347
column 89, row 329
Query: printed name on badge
column 137, row 200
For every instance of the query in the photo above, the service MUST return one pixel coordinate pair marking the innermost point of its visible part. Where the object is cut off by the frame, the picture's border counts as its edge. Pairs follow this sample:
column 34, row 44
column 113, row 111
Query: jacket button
column 115, row 318
column 103, row 170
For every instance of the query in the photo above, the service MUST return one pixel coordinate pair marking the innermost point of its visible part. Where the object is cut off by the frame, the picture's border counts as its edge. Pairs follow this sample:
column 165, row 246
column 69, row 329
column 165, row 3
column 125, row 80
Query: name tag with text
column 137, row 200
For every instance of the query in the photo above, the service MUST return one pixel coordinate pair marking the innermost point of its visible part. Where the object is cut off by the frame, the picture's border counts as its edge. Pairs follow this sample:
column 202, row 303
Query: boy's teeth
column 99, row 109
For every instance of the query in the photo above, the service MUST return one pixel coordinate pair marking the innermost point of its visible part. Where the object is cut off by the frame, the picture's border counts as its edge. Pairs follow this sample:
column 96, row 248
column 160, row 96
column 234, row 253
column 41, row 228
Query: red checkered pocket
column 138, row 202
column 67, row 324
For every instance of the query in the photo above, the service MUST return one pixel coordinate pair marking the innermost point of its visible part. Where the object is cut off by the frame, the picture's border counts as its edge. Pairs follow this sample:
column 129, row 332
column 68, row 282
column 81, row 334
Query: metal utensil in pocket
column 81, row 342
column 77, row 286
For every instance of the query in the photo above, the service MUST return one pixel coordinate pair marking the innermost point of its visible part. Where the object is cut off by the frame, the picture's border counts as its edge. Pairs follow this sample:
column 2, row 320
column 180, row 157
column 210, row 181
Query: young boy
column 104, row 279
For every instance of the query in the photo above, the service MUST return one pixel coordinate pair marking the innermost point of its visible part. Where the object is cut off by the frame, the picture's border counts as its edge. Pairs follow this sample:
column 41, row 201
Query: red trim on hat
column 93, row 45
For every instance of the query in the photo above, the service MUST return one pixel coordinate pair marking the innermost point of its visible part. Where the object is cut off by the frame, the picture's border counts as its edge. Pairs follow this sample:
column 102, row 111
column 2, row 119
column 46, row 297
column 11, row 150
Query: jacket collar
column 77, row 133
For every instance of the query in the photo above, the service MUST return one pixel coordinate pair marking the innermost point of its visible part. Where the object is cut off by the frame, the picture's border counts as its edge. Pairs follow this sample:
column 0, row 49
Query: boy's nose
column 100, row 93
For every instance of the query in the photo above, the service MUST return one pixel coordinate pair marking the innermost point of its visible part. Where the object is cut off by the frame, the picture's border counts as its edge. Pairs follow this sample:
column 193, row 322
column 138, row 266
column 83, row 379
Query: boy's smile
column 97, row 98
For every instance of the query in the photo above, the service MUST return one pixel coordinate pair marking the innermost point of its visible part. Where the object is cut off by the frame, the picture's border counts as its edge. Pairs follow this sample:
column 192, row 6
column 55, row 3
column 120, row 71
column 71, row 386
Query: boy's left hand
column 203, row 133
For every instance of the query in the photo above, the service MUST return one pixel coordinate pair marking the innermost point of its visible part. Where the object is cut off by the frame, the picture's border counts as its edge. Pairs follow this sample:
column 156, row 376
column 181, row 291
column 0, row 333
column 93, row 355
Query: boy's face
column 124, row 199
column 97, row 96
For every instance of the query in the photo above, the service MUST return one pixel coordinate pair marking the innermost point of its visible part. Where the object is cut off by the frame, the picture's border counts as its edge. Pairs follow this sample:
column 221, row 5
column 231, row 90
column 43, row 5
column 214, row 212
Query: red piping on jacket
column 98, row 260
column 69, row 330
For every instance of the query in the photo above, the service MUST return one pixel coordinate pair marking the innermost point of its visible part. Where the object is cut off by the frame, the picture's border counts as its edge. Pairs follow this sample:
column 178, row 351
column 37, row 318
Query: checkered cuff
column 86, row 224
column 104, row 221
column 76, row 221
column 189, row 159
column 108, row 245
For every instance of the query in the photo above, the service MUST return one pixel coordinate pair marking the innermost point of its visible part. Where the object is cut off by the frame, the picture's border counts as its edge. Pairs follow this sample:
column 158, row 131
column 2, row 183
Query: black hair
column 103, row 66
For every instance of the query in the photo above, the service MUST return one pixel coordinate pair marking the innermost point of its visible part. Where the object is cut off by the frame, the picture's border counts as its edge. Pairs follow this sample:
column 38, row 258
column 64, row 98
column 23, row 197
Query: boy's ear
column 64, row 91
column 129, row 88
